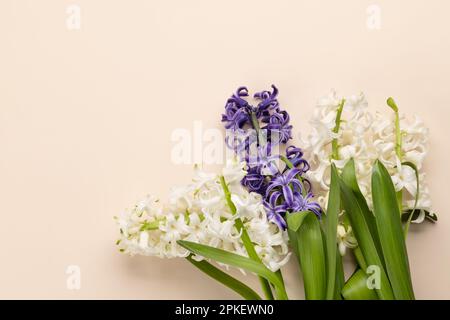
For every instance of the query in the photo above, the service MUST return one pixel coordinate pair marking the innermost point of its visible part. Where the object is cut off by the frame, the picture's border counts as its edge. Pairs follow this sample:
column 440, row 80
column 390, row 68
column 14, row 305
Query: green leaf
column 225, row 279
column 248, row 244
column 340, row 277
column 238, row 261
column 360, row 258
column 364, row 237
column 304, row 230
column 331, row 221
column 391, row 233
column 349, row 177
column 356, row 288
column 295, row 220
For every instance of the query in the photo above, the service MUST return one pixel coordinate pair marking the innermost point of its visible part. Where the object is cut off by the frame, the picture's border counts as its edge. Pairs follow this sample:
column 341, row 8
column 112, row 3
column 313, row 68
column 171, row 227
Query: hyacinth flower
column 274, row 210
column 264, row 162
column 368, row 167
column 349, row 131
column 236, row 114
column 214, row 218
column 279, row 122
column 260, row 135
column 354, row 133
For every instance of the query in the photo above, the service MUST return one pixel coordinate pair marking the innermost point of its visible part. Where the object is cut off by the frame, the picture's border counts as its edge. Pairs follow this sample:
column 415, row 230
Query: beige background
column 86, row 118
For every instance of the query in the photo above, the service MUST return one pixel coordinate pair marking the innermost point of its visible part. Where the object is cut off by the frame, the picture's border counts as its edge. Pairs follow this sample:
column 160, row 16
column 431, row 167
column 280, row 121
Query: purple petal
column 288, row 195
column 292, row 173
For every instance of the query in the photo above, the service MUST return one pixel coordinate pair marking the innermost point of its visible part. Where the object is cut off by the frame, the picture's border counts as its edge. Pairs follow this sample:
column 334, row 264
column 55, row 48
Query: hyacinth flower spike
column 286, row 192
column 261, row 151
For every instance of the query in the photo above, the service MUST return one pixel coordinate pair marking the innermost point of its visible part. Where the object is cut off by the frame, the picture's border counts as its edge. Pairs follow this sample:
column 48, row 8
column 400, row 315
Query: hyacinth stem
column 248, row 244
column 287, row 162
column 398, row 135
column 334, row 143
column 249, row 247
column 154, row 225
column 398, row 145
column 256, row 126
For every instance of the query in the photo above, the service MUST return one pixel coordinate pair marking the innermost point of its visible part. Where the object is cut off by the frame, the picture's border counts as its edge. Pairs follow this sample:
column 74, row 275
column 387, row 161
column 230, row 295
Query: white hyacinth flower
column 366, row 137
column 345, row 239
column 199, row 213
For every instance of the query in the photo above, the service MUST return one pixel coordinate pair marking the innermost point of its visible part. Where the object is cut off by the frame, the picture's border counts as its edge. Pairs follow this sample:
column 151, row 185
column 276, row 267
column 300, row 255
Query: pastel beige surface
column 86, row 118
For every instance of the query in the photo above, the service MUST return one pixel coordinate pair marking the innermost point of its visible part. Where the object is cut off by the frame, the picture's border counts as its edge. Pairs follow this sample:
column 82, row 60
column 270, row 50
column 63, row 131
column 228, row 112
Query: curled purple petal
column 236, row 110
column 254, row 182
column 295, row 156
column 278, row 123
column 269, row 100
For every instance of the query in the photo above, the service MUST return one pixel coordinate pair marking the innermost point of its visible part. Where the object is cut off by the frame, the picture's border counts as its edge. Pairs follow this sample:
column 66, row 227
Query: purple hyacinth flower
column 279, row 122
column 235, row 118
column 295, row 156
column 304, row 203
column 269, row 102
column 283, row 190
column 275, row 211
column 264, row 161
column 241, row 141
column 237, row 110
column 236, row 98
column 254, row 181
column 288, row 183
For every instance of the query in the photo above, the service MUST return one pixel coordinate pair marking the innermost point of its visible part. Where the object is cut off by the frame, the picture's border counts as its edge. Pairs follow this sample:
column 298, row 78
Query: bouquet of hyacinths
column 368, row 168
column 366, row 172
column 213, row 218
